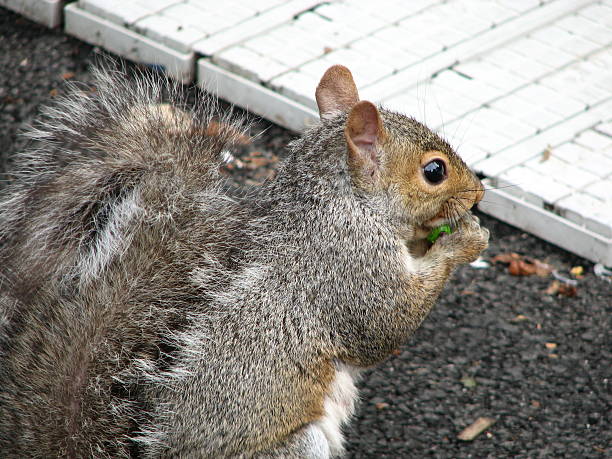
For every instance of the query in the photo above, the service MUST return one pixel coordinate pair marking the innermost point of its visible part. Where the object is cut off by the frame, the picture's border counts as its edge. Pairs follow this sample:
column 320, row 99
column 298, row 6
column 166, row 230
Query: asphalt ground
column 500, row 346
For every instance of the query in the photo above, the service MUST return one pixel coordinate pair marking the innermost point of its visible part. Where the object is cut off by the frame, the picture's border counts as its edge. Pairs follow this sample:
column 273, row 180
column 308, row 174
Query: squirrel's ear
column 336, row 91
column 364, row 133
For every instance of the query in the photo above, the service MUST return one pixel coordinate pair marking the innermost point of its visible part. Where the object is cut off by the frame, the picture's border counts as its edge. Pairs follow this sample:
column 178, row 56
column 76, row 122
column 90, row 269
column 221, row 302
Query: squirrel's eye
column 434, row 171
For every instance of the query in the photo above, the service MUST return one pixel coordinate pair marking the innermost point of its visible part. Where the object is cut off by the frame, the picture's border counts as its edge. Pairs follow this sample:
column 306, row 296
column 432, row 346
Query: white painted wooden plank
column 478, row 46
column 45, row 12
column 127, row 43
column 169, row 32
column 548, row 226
column 254, row 98
column 533, row 146
column 256, row 25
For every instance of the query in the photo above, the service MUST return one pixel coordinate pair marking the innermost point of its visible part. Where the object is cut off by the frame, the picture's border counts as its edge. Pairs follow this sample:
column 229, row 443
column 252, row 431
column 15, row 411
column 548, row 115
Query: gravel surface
column 496, row 346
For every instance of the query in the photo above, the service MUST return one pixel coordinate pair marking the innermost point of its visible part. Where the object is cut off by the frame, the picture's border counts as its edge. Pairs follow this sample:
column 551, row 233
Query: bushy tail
column 98, row 156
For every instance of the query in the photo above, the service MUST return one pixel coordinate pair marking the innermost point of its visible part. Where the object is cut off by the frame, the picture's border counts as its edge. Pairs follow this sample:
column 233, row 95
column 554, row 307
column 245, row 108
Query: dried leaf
column 68, row 75
column 505, row 257
column 256, row 159
column 520, row 318
column 536, row 404
column 542, row 269
column 521, row 268
column 215, row 129
column 561, row 288
column 577, row 272
column 327, row 49
column 568, row 290
column 468, row 382
column 553, row 288
column 546, row 154
column 397, row 352
column 475, row 429
column 53, row 93
column 550, row 345
column 381, row 405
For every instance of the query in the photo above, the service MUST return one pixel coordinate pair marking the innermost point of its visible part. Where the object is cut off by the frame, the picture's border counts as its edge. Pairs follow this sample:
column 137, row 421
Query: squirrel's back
column 96, row 154
column 98, row 243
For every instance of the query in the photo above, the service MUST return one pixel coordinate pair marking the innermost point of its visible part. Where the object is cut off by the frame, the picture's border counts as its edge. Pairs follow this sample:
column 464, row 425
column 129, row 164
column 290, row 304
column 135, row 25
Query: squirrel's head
column 390, row 152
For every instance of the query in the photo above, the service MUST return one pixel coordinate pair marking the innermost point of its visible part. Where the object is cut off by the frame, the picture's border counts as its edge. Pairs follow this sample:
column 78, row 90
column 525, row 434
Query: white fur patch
column 227, row 157
column 112, row 241
column 410, row 263
column 339, row 406
column 316, row 444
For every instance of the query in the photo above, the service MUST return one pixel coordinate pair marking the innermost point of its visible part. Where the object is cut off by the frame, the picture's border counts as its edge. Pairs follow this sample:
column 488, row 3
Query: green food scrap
column 435, row 233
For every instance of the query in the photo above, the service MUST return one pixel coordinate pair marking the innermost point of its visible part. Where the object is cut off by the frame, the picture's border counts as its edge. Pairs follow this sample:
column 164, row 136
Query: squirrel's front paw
column 466, row 243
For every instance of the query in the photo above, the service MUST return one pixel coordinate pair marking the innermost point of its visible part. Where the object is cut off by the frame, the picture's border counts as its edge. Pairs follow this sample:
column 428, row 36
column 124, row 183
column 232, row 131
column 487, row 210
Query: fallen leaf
column 553, row 356
column 546, row 154
column 553, row 288
column 397, row 352
column 577, row 272
column 560, row 288
column 53, row 92
column 475, row 429
column 536, row 404
column 550, row 345
column 505, row 257
column 327, row 50
column 468, row 382
column 519, row 265
column 256, row 159
column 381, row 405
column 542, row 269
column 215, row 129
column 521, row 268
column 520, row 318
column 68, row 75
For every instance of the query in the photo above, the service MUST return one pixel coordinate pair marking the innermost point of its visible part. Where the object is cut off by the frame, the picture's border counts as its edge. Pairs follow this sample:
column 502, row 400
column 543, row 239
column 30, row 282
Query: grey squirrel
column 146, row 310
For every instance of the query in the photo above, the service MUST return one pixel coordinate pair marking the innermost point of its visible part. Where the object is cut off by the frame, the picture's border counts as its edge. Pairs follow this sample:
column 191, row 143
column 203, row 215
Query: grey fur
column 147, row 311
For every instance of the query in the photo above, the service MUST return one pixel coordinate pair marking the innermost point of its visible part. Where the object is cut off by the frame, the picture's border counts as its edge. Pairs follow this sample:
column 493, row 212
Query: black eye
column 434, row 171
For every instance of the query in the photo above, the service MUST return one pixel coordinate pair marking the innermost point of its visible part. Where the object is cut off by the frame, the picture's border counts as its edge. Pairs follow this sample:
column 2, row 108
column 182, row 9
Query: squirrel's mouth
column 435, row 222
column 450, row 213
column 441, row 218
